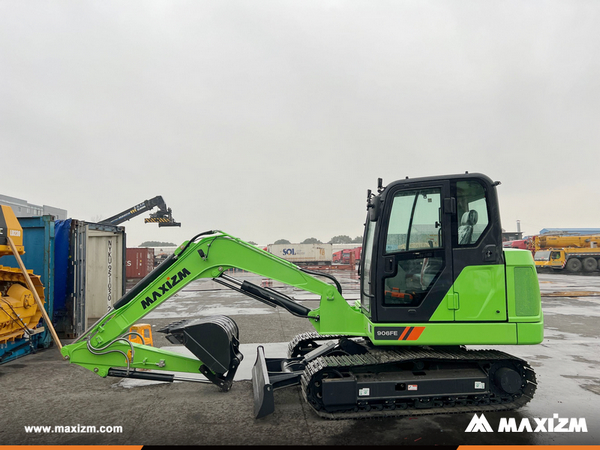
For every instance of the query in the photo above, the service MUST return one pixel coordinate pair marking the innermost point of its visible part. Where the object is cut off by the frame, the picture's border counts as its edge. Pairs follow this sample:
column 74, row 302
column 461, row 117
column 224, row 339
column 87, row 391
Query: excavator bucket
column 214, row 341
column 264, row 401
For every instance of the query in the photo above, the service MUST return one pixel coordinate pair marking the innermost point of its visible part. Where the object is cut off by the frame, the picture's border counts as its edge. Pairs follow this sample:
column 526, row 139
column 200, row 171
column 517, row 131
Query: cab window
column 414, row 236
column 472, row 211
column 367, row 254
column 415, row 221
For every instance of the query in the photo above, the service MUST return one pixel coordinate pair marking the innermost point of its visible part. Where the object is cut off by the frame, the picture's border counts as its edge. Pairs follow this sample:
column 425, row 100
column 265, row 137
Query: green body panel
column 512, row 289
column 469, row 300
column 445, row 312
column 453, row 334
column 477, row 295
column 518, row 257
column 530, row 333
column 522, row 288
column 504, row 333
column 481, row 294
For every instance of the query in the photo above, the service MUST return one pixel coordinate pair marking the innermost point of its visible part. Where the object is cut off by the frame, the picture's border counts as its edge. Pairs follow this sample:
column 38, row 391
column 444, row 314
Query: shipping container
column 38, row 240
column 302, row 253
column 139, row 262
column 90, row 269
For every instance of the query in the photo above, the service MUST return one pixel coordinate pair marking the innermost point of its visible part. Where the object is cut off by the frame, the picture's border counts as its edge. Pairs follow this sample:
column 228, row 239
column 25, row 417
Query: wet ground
column 42, row 389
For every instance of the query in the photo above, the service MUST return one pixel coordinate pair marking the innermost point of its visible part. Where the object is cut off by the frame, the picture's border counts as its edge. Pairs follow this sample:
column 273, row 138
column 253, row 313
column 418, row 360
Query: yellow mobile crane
column 571, row 253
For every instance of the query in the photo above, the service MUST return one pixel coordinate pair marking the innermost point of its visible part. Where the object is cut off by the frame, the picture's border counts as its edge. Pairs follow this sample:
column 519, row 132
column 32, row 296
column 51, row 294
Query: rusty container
column 140, row 262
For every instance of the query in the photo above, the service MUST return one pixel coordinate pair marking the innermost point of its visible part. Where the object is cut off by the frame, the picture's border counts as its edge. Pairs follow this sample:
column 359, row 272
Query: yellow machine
column 570, row 253
column 19, row 311
column 558, row 241
column 142, row 330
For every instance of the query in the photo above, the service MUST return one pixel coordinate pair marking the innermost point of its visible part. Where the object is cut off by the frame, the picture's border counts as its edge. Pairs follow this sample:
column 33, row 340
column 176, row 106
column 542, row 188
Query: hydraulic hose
column 326, row 275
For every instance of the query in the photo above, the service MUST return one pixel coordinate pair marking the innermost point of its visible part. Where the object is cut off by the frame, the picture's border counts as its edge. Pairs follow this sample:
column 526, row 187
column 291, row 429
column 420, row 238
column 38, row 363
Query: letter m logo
column 479, row 424
column 147, row 302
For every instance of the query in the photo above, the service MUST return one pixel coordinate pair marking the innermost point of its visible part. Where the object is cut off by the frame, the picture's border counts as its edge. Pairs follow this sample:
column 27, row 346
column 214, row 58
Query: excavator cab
column 433, row 278
column 419, row 237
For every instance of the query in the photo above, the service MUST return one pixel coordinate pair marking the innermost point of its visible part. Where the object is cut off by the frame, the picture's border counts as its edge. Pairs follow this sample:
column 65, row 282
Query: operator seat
column 465, row 231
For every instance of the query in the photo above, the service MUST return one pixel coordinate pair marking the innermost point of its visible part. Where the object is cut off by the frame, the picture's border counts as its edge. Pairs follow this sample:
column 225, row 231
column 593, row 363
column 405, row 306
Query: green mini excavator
column 433, row 278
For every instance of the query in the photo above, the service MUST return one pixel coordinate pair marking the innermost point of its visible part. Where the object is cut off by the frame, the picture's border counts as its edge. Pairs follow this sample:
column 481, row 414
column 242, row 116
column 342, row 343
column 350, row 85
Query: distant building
column 511, row 235
column 22, row 208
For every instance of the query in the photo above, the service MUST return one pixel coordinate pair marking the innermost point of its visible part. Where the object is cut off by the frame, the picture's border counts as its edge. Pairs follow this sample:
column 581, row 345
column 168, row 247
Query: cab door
column 413, row 254
column 478, row 263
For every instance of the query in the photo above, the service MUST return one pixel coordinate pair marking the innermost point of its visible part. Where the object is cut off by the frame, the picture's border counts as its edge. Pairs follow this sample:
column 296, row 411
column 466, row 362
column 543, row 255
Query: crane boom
column 163, row 216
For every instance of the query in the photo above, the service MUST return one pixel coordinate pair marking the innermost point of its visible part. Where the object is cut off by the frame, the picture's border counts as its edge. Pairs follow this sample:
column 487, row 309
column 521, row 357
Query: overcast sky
column 271, row 119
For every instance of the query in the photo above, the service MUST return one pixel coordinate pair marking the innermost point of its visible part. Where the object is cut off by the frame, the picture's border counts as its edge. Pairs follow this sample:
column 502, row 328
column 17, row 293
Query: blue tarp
column 62, row 236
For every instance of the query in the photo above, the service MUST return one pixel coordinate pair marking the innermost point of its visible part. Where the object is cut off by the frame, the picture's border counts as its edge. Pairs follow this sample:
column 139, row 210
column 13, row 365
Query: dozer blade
column 264, row 401
column 270, row 374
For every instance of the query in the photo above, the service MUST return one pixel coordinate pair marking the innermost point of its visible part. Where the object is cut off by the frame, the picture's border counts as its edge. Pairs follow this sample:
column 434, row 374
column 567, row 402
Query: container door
column 104, row 267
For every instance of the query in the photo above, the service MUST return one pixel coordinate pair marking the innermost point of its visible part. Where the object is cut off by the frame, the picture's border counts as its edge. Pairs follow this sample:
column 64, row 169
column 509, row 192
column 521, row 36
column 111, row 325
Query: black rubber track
column 379, row 357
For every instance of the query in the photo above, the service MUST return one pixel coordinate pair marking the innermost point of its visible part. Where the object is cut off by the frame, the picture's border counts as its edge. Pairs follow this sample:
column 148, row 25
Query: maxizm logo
column 553, row 424
column 172, row 281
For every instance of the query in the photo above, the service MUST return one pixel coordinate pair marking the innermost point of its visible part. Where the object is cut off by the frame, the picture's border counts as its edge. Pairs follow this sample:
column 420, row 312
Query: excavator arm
column 105, row 349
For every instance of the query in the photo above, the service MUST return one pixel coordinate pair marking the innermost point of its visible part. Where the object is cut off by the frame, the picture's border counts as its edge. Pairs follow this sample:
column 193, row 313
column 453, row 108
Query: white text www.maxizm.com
column 72, row 429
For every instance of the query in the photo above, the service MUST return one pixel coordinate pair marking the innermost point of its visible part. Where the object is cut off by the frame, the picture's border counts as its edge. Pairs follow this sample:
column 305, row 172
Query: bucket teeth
column 173, row 325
